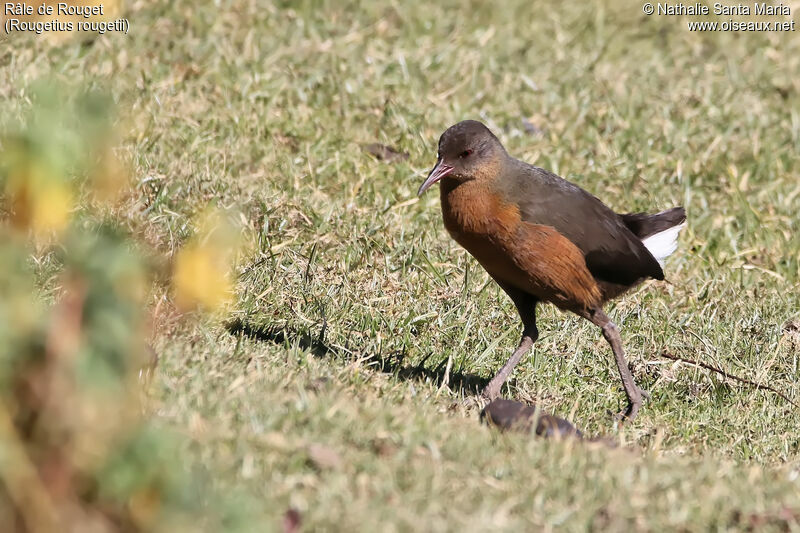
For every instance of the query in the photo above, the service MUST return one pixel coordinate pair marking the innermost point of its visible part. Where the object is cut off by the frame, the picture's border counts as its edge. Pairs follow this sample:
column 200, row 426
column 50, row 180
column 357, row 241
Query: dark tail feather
column 644, row 225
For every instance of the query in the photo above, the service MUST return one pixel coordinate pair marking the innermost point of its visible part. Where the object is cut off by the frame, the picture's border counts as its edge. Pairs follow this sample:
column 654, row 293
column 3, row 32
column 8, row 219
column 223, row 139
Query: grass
column 265, row 108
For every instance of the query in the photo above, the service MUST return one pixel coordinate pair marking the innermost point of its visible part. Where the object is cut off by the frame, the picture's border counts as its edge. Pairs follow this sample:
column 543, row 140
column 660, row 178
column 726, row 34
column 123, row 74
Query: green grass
column 264, row 107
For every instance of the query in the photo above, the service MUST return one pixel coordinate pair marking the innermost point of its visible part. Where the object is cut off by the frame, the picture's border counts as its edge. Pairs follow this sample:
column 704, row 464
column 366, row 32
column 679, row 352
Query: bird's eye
column 465, row 153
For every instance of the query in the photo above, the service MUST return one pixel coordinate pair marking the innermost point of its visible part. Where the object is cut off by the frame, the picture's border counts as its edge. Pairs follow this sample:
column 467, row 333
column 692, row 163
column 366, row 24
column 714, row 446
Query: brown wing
column 612, row 252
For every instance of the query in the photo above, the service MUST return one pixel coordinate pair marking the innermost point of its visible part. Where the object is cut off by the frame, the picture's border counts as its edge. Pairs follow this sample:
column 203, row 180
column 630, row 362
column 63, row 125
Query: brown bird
column 544, row 239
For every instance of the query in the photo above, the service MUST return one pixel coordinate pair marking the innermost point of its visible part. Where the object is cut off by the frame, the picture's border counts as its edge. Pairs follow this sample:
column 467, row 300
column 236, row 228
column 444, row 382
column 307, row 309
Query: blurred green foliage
column 77, row 452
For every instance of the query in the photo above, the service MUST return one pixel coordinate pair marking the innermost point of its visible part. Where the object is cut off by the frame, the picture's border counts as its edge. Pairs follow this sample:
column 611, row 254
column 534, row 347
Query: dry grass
column 265, row 108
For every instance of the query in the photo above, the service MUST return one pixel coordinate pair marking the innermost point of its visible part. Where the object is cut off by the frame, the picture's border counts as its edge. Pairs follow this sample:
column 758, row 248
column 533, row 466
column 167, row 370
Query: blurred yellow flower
column 200, row 279
column 202, row 276
column 38, row 201
column 109, row 177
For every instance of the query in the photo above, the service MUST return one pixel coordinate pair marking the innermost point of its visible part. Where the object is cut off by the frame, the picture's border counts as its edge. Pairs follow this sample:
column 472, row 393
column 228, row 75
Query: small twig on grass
column 727, row 375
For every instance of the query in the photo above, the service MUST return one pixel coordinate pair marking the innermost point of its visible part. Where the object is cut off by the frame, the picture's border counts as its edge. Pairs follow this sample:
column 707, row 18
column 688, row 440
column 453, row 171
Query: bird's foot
column 634, row 404
column 481, row 400
column 474, row 402
column 628, row 414
column 491, row 392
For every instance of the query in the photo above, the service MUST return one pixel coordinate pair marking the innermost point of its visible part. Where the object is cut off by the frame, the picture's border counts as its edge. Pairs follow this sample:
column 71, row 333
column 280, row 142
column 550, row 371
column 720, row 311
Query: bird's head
column 467, row 150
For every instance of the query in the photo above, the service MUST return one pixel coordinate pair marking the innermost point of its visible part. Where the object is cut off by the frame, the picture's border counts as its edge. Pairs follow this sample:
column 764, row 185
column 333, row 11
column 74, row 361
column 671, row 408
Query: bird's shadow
column 391, row 363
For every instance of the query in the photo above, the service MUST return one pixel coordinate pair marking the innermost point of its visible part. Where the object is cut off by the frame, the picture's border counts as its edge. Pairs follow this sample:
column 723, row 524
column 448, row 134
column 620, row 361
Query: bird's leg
column 611, row 334
column 526, row 306
column 492, row 390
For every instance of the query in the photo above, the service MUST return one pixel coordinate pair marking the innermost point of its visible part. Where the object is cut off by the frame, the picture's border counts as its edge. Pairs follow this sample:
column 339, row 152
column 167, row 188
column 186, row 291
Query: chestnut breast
column 480, row 221
column 531, row 257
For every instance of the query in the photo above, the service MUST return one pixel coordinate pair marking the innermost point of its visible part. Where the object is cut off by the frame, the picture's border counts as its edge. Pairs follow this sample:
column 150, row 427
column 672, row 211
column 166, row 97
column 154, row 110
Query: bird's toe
column 474, row 402
column 490, row 393
column 630, row 413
